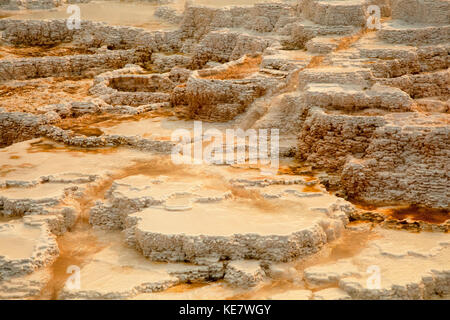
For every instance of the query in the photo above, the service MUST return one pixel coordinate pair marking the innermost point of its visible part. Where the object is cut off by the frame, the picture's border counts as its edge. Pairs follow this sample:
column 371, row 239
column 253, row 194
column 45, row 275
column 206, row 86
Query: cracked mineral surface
column 94, row 205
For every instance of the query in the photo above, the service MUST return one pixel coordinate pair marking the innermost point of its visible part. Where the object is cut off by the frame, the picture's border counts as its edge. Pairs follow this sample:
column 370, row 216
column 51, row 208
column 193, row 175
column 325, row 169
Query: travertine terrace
column 88, row 187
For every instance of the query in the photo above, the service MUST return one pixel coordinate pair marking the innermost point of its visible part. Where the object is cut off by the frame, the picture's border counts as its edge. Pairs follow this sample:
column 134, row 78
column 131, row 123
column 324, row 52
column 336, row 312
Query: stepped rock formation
column 87, row 123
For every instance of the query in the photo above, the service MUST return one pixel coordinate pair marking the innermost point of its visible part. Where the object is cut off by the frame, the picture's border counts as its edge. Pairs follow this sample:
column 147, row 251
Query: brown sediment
column 425, row 110
column 91, row 124
column 86, row 122
column 77, row 245
column 311, row 189
column 25, row 165
column 315, row 62
column 41, row 51
column 45, row 145
column 401, row 213
column 14, row 157
column 262, row 204
column 362, row 112
column 385, row 19
column 87, row 131
column 350, row 244
column 239, row 71
column 154, row 167
column 9, row 218
column 6, row 91
column 6, row 168
column 296, row 170
column 75, row 248
column 28, row 95
column 362, row 205
column 253, row 198
column 5, row 15
column 417, row 213
column 346, row 42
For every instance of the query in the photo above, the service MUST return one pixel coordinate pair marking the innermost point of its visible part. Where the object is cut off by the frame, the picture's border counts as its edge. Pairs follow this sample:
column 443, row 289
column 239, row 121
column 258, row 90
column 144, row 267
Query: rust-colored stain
column 351, row 243
column 417, row 213
column 75, row 248
column 363, row 205
column 7, row 168
column 28, row 95
column 315, row 62
column 44, row 145
column 304, row 171
column 83, row 130
column 314, row 188
column 346, row 42
column 4, row 15
column 77, row 245
column 90, row 125
column 42, row 51
column 239, row 71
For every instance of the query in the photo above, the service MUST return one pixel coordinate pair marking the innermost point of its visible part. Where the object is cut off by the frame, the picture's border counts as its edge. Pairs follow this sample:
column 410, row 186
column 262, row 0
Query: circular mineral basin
column 280, row 217
column 17, row 240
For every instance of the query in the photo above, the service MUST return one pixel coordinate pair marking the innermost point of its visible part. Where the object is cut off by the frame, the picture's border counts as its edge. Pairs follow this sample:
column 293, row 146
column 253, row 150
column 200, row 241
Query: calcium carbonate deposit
column 286, row 149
